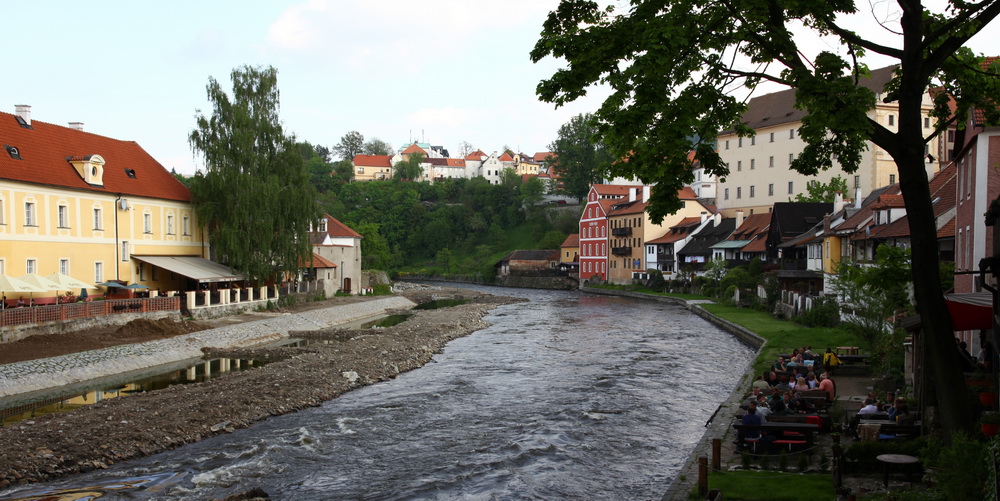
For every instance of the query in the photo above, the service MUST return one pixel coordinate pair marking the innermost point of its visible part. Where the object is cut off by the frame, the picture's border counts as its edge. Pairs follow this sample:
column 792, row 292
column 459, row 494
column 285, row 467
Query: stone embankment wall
column 55, row 372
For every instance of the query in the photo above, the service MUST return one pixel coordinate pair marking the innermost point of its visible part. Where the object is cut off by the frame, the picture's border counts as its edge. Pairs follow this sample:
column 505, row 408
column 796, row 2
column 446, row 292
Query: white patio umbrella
column 42, row 282
column 68, row 282
column 11, row 284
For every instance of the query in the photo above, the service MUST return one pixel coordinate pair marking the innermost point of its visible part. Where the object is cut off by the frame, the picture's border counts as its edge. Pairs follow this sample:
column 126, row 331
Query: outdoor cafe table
column 900, row 459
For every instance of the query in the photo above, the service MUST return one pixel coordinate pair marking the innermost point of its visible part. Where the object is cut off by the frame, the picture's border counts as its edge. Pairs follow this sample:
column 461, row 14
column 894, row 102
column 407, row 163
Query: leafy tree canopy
column 351, row 144
column 409, row 168
column 672, row 67
column 255, row 195
column 822, row 192
column 376, row 146
column 580, row 157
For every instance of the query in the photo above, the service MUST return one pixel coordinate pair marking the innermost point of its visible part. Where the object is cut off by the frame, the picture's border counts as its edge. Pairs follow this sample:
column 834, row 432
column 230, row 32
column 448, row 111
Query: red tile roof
column 335, row 228
column 506, row 157
column 317, row 261
column 948, row 230
column 372, row 160
column 543, row 155
column 413, row 148
column 45, row 150
column 613, row 189
column 571, row 241
column 476, row 155
column 753, row 225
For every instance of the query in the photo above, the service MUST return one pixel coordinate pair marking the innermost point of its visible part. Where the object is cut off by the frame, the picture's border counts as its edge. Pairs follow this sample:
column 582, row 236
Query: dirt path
column 63, row 444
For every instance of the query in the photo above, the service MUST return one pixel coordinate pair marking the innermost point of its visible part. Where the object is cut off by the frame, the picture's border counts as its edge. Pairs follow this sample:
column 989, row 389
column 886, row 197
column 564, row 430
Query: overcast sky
column 444, row 71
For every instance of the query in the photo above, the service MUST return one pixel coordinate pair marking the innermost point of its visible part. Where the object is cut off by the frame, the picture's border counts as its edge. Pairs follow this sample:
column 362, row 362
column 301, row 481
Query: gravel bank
column 143, row 424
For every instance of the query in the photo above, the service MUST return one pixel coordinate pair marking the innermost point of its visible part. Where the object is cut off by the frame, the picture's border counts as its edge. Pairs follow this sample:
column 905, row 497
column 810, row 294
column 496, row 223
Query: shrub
column 961, row 468
column 861, row 455
column 825, row 312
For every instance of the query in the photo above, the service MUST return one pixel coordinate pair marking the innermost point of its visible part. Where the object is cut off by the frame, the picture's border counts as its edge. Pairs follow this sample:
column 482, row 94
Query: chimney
column 704, row 217
column 826, row 223
column 838, row 202
column 857, row 197
column 739, row 218
column 23, row 111
column 632, row 194
column 76, row 125
column 645, row 194
column 718, row 218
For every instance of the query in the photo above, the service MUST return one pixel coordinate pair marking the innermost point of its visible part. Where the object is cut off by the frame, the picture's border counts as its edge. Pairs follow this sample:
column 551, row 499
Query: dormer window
column 130, row 173
column 90, row 168
column 13, row 152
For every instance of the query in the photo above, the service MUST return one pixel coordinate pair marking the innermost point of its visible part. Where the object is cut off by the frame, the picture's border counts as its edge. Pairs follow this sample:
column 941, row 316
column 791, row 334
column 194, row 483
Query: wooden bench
column 854, row 359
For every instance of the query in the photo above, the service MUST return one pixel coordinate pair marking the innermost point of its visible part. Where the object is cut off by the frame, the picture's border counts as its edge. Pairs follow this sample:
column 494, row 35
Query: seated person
column 895, row 409
column 780, row 366
column 777, row 405
column 783, row 385
column 903, row 415
column 772, row 379
column 826, row 384
column 752, row 418
column 811, row 381
column 761, row 384
column 869, row 408
column 801, row 385
column 20, row 302
column 890, row 400
column 800, row 405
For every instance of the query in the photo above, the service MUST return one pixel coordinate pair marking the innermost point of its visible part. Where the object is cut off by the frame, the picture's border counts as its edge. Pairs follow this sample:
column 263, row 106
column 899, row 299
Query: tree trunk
column 942, row 364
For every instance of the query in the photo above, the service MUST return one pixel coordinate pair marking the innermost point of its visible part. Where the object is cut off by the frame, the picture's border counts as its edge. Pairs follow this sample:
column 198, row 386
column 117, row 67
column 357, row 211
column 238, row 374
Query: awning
column 973, row 311
column 193, row 267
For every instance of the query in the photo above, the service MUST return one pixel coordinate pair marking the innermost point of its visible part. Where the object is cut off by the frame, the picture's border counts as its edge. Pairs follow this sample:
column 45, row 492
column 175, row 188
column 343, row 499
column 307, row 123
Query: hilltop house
column 335, row 243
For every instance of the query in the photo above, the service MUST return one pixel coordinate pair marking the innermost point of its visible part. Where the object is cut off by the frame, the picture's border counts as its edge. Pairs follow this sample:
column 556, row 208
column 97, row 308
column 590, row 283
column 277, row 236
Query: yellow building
column 84, row 205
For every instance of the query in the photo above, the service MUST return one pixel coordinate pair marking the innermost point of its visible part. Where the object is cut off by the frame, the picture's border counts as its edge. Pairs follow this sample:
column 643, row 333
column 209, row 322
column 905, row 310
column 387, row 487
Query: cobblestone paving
column 42, row 374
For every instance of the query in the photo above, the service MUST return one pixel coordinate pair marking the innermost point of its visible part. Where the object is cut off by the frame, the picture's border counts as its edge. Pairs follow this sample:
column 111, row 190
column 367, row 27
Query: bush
column 655, row 281
column 825, row 312
column 961, row 469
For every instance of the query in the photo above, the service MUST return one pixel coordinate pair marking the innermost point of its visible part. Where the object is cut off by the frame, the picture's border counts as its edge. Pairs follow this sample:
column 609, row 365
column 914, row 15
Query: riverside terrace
column 42, row 315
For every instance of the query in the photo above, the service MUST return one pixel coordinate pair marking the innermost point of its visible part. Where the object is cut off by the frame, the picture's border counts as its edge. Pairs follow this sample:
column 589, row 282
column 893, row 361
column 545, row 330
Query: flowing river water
column 568, row 396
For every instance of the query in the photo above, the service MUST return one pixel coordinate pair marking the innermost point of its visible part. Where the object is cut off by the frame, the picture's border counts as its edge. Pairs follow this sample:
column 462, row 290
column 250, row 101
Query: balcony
column 621, row 251
column 622, row 232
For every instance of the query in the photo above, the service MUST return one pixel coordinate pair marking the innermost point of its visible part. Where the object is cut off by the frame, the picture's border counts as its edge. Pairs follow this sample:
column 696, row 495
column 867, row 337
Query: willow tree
column 254, row 196
column 673, row 65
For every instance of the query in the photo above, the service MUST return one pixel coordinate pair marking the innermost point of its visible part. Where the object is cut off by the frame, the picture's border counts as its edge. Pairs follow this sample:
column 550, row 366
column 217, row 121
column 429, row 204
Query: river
column 568, row 396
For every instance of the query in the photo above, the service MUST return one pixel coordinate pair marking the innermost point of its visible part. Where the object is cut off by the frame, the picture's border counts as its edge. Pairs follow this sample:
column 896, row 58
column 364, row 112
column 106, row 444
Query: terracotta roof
column 625, row 207
column 506, row 157
column 948, row 230
column 979, row 114
column 612, row 189
column 542, row 156
column 317, row 262
column 372, row 160
column 335, row 228
column 413, row 148
column 753, row 225
column 476, row 155
column 895, row 229
column 668, row 238
column 757, row 245
column 571, row 241
column 889, row 202
column 779, row 107
column 45, row 150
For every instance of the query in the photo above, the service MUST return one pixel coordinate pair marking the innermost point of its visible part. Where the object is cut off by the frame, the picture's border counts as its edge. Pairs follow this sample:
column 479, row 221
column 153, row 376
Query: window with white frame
column 147, row 223
column 31, row 265
column 772, row 137
column 752, row 191
column 791, row 187
column 3, row 212
column 770, row 190
column 186, row 225
column 753, row 163
column 63, row 212
column 322, row 226
column 98, row 272
column 125, row 252
column 29, row 214
column 170, row 224
column 64, row 266
column 98, row 219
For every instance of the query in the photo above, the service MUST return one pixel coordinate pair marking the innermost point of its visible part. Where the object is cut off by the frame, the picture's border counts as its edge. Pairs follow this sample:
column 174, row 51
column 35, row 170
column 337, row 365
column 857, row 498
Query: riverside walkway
column 33, row 376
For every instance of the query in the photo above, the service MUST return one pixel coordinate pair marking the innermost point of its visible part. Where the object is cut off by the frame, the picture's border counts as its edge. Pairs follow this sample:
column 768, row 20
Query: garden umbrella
column 69, row 282
column 136, row 286
column 110, row 285
column 40, row 282
column 11, row 284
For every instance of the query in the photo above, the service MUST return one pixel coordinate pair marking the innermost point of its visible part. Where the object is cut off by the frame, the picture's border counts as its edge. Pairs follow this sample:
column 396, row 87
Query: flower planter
column 990, row 429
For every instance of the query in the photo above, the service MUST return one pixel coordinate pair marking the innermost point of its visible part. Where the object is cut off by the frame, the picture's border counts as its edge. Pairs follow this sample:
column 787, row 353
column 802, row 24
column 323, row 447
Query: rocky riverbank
column 120, row 429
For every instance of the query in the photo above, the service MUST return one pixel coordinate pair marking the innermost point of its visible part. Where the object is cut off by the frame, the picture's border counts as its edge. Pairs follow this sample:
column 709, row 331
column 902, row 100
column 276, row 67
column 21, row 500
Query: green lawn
column 772, row 485
column 782, row 335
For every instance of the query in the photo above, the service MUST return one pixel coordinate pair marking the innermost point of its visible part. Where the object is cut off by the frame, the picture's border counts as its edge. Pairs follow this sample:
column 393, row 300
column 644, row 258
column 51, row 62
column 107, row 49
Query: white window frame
column 98, row 219
column 170, row 224
column 31, row 265
column 147, row 223
column 98, row 271
column 30, row 218
column 63, row 216
column 64, row 266
column 186, row 225
column 125, row 251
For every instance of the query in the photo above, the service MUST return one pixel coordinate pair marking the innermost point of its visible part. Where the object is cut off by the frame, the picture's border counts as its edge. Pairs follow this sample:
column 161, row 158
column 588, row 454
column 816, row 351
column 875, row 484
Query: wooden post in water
column 716, row 454
column 702, row 476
